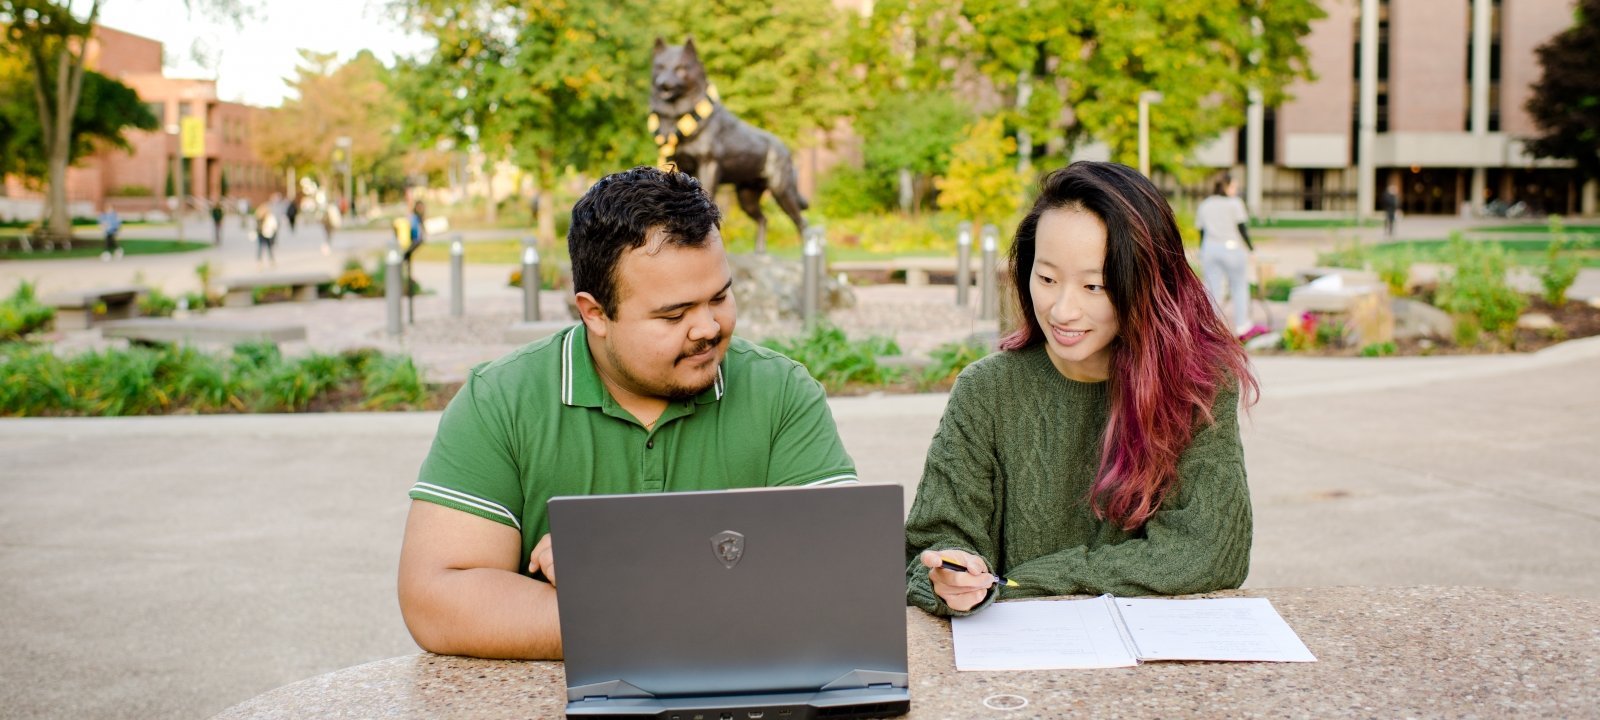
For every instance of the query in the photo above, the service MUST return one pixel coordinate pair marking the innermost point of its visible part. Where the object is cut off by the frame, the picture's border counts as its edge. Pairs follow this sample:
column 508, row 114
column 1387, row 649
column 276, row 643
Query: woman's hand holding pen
column 962, row 590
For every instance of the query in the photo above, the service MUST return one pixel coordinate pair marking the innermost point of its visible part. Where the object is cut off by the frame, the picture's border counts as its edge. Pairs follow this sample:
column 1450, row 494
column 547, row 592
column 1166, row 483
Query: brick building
column 1446, row 121
column 138, row 182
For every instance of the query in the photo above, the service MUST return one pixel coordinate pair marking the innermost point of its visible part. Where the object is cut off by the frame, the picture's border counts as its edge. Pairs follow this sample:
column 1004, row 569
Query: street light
column 1146, row 99
column 344, row 143
column 176, row 131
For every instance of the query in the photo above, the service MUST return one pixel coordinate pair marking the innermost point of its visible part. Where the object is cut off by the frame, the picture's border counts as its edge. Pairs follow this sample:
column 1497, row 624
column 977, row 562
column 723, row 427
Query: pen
column 958, row 567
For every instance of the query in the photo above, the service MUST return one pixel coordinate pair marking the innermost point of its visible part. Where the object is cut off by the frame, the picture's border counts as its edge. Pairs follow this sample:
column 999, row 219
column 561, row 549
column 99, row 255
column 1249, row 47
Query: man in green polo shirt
column 650, row 393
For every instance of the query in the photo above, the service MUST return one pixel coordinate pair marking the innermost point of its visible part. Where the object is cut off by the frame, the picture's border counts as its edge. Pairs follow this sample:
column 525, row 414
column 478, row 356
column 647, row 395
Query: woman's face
column 1069, row 294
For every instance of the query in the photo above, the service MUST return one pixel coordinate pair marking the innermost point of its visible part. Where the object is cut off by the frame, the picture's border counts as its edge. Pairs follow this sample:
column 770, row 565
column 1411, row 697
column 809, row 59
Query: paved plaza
column 175, row 566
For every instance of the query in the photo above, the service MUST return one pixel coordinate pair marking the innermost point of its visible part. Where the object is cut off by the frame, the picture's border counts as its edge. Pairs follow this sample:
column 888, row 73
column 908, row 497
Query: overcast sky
column 255, row 58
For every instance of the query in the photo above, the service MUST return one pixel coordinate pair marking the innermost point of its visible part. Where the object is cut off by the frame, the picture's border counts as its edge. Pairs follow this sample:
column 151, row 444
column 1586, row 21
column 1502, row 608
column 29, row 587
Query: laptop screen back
column 731, row 592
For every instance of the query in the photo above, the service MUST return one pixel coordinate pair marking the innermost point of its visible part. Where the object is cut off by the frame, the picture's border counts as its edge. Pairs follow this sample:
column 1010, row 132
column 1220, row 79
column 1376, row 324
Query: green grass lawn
column 85, row 247
column 1529, row 252
column 1537, row 229
column 1310, row 223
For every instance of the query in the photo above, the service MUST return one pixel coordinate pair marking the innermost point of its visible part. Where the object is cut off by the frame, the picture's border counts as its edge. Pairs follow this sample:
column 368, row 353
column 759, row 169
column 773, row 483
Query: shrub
column 391, row 382
column 142, row 380
column 847, row 192
column 1394, row 268
column 835, row 360
column 1278, row 289
column 949, row 360
column 1352, row 256
column 155, row 303
column 22, row 314
column 1560, row 268
column 1478, row 286
column 1381, row 349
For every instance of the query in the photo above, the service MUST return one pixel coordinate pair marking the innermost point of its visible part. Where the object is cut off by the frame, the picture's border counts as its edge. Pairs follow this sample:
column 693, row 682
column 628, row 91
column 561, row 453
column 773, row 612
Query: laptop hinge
column 602, row 691
column 866, row 678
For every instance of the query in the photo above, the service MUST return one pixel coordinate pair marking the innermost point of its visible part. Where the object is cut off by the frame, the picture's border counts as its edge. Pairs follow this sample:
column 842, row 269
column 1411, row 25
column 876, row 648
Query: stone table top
column 1381, row 652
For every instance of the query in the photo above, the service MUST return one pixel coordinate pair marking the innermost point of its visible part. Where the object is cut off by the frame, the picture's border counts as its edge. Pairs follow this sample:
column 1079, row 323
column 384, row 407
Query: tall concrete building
column 138, row 181
column 1445, row 122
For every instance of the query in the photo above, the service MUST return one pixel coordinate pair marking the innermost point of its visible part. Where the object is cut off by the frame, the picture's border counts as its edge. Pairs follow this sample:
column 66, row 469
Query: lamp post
column 177, row 188
column 342, row 155
column 1146, row 99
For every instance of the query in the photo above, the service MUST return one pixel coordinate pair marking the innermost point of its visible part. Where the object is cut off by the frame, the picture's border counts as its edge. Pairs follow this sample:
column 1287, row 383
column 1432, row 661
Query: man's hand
column 543, row 559
column 962, row 591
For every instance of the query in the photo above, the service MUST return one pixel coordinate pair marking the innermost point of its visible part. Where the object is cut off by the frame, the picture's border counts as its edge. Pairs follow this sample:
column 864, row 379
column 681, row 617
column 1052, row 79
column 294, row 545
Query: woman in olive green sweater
column 1099, row 451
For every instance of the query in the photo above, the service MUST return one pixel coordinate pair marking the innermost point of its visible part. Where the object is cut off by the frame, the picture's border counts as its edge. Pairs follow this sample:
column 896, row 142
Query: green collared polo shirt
column 539, row 423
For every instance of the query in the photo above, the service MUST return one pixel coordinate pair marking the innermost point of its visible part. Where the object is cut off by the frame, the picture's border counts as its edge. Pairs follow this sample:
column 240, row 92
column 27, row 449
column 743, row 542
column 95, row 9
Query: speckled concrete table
column 1382, row 652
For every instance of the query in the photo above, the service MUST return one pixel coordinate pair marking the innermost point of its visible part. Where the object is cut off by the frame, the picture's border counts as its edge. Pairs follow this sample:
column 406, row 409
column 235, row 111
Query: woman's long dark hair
column 1173, row 353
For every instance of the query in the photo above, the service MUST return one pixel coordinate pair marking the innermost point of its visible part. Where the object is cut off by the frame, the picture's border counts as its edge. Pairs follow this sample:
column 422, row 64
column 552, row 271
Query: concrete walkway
column 174, row 566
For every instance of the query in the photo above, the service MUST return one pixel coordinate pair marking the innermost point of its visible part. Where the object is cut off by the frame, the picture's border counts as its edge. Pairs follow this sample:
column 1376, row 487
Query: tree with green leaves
column 1061, row 72
column 1566, row 99
column 54, row 41
column 910, row 134
column 106, row 110
column 547, row 84
column 776, row 65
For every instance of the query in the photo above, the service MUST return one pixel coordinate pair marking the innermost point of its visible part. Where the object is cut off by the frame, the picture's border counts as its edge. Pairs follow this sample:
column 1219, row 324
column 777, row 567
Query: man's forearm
column 482, row 612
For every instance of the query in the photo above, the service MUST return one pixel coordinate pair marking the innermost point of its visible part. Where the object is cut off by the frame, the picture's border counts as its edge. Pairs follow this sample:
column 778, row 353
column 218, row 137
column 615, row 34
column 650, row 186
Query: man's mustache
column 703, row 346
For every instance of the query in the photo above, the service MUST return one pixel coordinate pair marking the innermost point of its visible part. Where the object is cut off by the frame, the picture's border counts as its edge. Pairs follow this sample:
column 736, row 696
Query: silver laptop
column 771, row 604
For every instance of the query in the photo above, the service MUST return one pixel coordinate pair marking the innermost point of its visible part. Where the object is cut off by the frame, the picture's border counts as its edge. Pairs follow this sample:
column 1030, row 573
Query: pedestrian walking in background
column 216, row 221
column 266, row 233
column 292, row 211
column 244, row 213
column 110, row 224
column 419, row 234
column 1225, row 251
column 330, row 222
column 1391, row 206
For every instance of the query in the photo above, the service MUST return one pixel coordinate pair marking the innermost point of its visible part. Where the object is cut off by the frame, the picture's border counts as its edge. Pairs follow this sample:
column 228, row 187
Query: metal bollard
column 391, row 290
column 530, row 284
column 811, row 290
column 457, row 279
column 988, row 293
column 963, row 263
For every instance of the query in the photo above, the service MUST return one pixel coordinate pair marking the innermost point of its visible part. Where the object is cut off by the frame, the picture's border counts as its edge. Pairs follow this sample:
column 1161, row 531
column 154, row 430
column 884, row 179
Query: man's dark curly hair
column 617, row 215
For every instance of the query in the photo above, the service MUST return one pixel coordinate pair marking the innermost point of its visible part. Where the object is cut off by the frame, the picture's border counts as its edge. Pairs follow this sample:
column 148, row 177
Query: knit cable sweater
column 1008, row 478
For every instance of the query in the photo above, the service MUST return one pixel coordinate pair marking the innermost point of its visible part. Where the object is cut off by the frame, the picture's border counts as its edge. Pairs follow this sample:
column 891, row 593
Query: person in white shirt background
column 1225, row 251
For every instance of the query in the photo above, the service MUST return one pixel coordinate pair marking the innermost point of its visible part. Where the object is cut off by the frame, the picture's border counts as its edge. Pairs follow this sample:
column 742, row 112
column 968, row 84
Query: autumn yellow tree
column 331, row 100
column 982, row 182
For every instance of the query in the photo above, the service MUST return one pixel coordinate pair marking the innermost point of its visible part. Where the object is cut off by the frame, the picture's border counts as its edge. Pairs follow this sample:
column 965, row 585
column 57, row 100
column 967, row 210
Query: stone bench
column 150, row 331
column 75, row 308
column 240, row 291
column 917, row 269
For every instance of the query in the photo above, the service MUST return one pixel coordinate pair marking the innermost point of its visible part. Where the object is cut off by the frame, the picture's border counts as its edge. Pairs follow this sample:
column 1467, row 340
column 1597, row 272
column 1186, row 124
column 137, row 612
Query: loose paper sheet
column 1040, row 635
column 1244, row 629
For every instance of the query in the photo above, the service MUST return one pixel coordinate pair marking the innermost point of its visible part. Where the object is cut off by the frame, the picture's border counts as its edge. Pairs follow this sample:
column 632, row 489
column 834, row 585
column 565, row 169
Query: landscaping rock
column 1536, row 321
column 1265, row 341
column 768, row 289
column 1416, row 319
column 1364, row 309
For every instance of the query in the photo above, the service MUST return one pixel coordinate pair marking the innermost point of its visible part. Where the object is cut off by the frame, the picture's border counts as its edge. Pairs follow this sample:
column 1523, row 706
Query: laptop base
column 855, row 704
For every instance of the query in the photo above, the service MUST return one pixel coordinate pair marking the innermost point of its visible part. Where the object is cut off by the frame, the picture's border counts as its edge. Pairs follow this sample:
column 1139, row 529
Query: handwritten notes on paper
column 1106, row 632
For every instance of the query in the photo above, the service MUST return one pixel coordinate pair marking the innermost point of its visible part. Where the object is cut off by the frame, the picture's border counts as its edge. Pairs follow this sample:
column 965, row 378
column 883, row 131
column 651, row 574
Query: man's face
column 674, row 317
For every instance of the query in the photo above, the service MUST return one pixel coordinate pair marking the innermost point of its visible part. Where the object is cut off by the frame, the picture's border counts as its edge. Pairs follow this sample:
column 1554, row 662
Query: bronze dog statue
column 696, row 132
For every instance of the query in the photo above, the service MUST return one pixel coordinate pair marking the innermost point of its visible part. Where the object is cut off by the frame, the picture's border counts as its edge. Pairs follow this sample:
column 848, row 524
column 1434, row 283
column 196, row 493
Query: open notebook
column 1107, row 632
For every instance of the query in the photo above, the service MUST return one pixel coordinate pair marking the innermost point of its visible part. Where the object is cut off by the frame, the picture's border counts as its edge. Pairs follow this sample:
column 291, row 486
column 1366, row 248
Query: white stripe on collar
column 719, row 385
column 566, row 367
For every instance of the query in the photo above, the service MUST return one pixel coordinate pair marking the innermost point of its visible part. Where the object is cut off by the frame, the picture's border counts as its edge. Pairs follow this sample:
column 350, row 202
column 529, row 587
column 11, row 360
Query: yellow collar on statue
column 686, row 125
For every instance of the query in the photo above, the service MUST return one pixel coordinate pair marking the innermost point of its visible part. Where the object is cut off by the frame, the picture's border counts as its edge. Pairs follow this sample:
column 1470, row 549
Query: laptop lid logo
column 728, row 546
